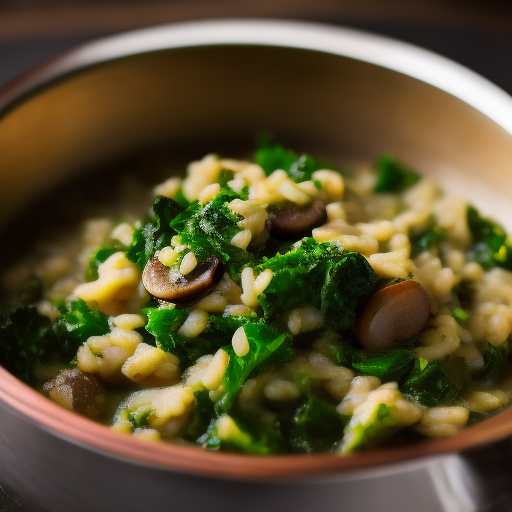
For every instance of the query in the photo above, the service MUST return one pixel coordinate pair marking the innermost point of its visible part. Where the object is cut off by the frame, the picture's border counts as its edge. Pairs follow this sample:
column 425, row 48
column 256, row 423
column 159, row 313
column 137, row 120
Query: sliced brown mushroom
column 167, row 283
column 77, row 391
column 392, row 316
column 294, row 223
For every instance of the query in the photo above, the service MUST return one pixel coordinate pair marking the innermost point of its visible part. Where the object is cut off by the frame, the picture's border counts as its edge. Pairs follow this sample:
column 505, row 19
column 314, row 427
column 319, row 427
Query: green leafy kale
column 155, row 233
column 395, row 365
column 208, row 230
column 424, row 382
column 316, row 426
column 164, row 325
column 202, row 416
column 78, row 322
column 393, row 176
column 225, row 176
column 318, row 275
column 335, row 348
column 494, row 358
column 139, row 417
column 427, row 239
column 460, row 316
column 429, row 384
column 274, row 156
column 347, row 280
column 98, row 257
column 369, row 430
column 26, row 339
column 245, row 433
column 267, row 346
column 491, row 245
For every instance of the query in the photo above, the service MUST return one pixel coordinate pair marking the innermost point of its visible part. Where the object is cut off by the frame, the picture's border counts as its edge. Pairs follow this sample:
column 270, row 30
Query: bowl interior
column 217, row 98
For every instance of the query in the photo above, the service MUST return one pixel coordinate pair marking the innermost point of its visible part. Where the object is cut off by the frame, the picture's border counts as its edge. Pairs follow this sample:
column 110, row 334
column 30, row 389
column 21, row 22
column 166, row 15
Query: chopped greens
column 139, row 417
column 164, row 325
column 245, row 432
column 78, row 322
column 370, row 429
column 393, row 176
column 98, row 257
column 28, row 338
column 494, row 358
column 429, row 384
column 208, row 230
column 204, row 411
column 25, row 339
column 393, row 366
column 316, row 426
column 155, row 233
column 491, row 245
column 427, row 239
column 266, row 346
column 274, row 156
column 343, row 278
column 461, row 316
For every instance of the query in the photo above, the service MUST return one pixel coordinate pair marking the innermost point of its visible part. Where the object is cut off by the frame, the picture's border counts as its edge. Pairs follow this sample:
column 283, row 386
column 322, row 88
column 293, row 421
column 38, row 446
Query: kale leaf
column 369, row 429
column 316, row 426
column 208, row 230
column 494, row 357
column 318, row 275
column 395, row 365
column 244, row 432
column 347, row 280
column 429, row 384
column 139, row 417
column 427, row 239
column 460, row 316
column 393, row 176
column 26, row 339
column 274, row 156
column 164, row 325
column 156, row 232
column 76, row 323
column 335, row 348
column 267, row 346
column 98, row 257
column 202, row 416
column 491, row 245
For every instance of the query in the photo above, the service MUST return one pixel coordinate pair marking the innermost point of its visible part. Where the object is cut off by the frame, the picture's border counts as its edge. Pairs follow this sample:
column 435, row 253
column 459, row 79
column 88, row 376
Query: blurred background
column 476, row 33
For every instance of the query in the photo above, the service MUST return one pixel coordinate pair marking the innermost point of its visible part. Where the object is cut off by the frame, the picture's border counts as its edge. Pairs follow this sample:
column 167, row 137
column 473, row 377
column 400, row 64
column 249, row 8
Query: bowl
column 211, row 86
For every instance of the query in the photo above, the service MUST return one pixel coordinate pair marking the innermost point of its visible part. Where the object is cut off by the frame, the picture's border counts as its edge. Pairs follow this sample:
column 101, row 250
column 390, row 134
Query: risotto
column 275, row 306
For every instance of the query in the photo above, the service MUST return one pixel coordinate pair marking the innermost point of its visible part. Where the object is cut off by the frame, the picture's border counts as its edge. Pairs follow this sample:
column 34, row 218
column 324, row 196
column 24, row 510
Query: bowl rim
column 382, row 51
column 88, row 434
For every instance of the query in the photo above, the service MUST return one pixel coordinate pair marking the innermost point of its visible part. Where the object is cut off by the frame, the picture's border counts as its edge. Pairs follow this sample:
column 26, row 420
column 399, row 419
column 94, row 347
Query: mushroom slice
column 167, row 283
column 294, row 223
column 392, row 316
column 77, row 391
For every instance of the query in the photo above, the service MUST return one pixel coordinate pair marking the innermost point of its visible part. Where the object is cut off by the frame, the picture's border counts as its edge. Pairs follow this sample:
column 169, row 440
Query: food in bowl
column 275, row 306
